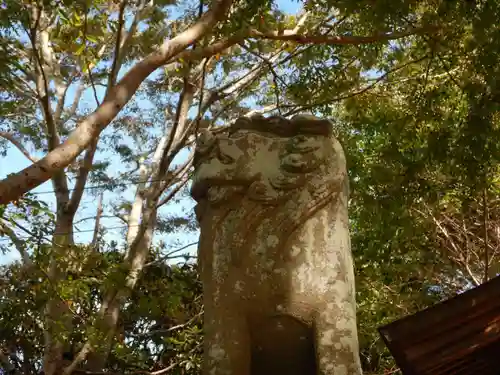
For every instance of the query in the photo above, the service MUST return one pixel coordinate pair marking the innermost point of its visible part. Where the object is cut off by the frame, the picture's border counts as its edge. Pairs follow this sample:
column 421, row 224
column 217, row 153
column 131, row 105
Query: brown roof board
column 460, row 336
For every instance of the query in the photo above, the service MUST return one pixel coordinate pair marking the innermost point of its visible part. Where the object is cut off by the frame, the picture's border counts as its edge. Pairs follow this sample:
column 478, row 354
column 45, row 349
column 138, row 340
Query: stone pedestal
column 274, row 251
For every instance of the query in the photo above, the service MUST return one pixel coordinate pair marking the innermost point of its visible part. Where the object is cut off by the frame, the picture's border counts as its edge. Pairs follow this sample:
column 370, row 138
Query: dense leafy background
column 418, row 117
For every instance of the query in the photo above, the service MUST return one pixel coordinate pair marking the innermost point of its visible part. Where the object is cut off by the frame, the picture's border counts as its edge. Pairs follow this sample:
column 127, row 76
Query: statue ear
column 303, row 154
column 303, row 144
column 300, row 163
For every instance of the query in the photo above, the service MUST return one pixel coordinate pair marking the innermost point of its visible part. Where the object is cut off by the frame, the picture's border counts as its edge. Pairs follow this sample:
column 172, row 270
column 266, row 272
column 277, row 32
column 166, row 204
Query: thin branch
column 95, row 217
column 175, row 137
column 235, row 87
column 202, row 92
column 81, row 180
column 88, row 160
column 275, row 75
column 169, row 254
column 170, row 329
column 115, row 66
column 335, row 40
column 93, row 85
column 263, row 110
column 42, row 78
column 97, row 226
column 355, row 93
column 42, row 84
column 485, row 228
column 458, row 258
column 291, row 35
column 18, row 145
column 74, row 106
column 18, row 243
column 122, row 48
column 181, row 175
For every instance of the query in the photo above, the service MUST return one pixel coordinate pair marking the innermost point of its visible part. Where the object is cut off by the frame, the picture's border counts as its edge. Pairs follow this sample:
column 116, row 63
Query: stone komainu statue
column 274, row 251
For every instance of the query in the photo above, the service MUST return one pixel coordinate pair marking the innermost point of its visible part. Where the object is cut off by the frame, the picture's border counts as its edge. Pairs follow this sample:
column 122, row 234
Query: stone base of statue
column 274, row 250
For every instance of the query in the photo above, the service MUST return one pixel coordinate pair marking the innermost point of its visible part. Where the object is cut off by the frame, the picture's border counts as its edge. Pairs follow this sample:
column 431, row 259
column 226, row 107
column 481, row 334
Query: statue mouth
column 201, row 187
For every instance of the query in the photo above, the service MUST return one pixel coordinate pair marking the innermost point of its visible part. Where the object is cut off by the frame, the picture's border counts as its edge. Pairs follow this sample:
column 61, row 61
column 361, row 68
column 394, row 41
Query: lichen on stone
column 274, row 249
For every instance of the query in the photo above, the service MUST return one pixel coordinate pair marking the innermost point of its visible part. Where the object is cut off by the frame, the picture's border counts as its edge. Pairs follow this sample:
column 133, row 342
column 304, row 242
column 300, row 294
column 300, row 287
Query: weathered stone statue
column 274, row 250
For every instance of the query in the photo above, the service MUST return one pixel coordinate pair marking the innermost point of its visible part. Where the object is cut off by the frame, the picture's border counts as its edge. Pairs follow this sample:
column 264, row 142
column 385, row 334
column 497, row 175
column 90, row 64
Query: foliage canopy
column 114, row 92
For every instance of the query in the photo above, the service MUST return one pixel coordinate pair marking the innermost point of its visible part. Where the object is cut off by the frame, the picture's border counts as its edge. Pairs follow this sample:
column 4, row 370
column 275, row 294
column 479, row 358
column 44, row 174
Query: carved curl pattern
column 300, row 141
column 283, row 127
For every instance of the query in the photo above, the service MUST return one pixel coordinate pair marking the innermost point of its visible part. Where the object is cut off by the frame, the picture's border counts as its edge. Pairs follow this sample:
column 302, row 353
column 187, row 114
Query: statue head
column 269, row 160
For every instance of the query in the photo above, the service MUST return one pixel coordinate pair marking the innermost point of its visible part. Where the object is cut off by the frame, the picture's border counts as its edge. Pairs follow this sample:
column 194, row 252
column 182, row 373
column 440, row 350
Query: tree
column 424, row 159
column 231, row 60
column 159, row 326
column 89, row 129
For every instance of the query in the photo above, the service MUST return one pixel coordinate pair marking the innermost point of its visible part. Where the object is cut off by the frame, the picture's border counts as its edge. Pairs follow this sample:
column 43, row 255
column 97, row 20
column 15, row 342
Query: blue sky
column 15, row 161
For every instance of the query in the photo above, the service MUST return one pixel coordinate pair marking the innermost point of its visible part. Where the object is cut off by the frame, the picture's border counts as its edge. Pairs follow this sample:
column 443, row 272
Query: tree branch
column 170, row 329
column 90, row 128
column 42, row 84
column 18, row 145
column 485, row 229
column 74, row 106
column 182, row 173
column 18, row 243
column 357, row 92
column 115, row 65
column 42, row 77
column 120, row 49
column 176, row 134
column 81, row 180
column 291, row 35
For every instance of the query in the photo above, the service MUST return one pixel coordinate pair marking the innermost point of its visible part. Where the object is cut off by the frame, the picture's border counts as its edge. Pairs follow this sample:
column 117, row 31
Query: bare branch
column 169, row 254
column 18, row 243
column 266, row 109
column 18, row 145
column 181, row 174
column 124, row 38
column 485, row 228
column 81, row 180
column 76, row 100
column 170, row 329
column 275, row 75
column 97, row 226
column 291, row 35
column 42, row 85
column 115, row 67
column 95, row 217
column 179, row 125
column 42, row 81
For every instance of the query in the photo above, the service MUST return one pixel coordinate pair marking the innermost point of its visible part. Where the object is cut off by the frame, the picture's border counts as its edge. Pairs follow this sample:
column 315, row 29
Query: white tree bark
column 90, row 128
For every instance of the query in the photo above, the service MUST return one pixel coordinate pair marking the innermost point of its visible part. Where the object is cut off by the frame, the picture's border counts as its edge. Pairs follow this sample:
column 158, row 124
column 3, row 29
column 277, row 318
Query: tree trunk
column 58, row 314
column 135, row 258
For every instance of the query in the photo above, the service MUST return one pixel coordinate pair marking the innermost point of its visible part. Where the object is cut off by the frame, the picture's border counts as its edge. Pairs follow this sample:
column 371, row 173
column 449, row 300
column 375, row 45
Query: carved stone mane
column 274, row 248
column 305, row 157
